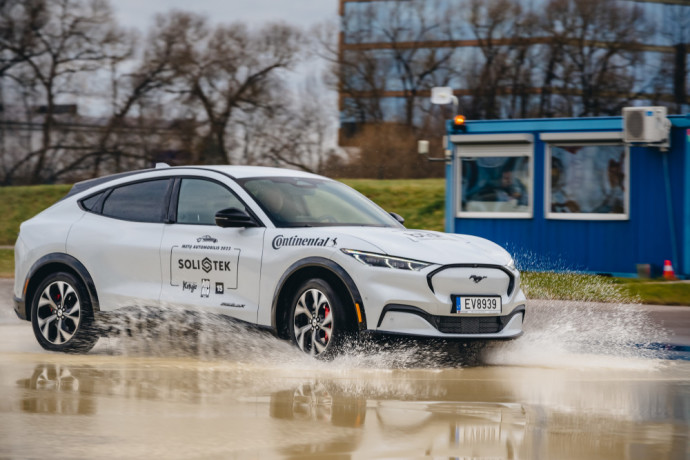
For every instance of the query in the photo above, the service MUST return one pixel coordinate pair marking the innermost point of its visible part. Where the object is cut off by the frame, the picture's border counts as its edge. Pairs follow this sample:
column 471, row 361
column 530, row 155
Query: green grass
column 657, row 292
column 594, row 288
column 573, row 286
column 421, row 202
column 18, row 204
column 6, row 263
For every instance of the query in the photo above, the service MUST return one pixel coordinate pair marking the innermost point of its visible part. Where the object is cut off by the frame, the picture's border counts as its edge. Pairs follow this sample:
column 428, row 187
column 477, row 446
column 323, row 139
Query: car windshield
column 310, row 202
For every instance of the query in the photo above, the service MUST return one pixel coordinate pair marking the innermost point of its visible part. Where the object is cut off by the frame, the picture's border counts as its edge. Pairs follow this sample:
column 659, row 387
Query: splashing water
column 172, row 332
column 578, row 320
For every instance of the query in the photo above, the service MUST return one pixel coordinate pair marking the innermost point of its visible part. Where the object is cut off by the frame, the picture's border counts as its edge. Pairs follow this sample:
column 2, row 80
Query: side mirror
column 397, row 217
column 233, row 217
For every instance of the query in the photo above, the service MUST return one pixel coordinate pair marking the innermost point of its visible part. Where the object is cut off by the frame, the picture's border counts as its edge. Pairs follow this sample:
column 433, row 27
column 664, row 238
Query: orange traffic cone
column 669, row 274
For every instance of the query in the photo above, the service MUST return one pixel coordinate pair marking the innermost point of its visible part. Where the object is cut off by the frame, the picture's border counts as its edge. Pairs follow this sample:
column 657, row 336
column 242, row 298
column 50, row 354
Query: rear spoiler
column 90, row 183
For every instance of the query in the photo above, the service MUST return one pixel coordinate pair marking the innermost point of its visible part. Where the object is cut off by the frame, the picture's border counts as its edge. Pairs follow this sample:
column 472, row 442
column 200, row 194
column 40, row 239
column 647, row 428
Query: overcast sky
column 140, row 13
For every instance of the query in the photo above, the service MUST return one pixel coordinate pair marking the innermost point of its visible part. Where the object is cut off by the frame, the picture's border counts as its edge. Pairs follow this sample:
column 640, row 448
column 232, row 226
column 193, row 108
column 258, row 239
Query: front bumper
column 418, row 303
column 412, row 321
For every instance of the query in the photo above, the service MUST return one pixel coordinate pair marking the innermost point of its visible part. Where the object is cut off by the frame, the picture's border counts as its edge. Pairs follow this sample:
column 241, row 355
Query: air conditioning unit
column 645, row 125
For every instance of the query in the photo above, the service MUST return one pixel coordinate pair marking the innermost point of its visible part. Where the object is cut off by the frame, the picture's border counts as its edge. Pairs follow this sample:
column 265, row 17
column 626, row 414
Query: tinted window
column 307, row 202
column 200, row 200
column 141, row 202
column 90, row 202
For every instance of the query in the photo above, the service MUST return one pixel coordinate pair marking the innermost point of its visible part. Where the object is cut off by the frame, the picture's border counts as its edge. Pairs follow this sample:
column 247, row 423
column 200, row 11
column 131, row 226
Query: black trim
column 328, row 264
column 171, row 217
column 98, row 208
column 172, row 196
column 91, row 183
column 394, row 335
column 71, row 262
column 511, row 284
column 438, row 321
column 428, row 317
column 20, row 308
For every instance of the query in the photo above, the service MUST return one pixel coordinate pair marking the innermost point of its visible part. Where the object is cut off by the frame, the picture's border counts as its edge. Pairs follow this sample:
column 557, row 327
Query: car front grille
column 465, row 325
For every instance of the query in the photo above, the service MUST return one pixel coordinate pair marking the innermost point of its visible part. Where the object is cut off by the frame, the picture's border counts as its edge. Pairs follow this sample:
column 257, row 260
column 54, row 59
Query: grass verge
column 594, row 288
column 421, row 202
column 6, row 263
column 18, row 204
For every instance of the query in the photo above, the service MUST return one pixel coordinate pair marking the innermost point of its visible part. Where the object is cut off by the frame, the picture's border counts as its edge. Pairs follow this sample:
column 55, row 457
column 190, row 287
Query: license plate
column 479, row 305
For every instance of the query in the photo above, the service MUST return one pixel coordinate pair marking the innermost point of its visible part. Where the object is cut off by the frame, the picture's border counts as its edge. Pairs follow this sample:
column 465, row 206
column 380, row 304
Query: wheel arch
column 53, row 263
column 313, row 267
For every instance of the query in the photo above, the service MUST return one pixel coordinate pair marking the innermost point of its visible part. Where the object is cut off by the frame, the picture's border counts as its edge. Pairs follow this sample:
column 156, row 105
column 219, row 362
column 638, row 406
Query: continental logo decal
column 281, row 241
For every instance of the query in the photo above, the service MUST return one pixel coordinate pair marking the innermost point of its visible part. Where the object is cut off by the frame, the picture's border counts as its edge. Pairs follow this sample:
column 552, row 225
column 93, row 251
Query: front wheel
column 61, row 314
column 319, row 321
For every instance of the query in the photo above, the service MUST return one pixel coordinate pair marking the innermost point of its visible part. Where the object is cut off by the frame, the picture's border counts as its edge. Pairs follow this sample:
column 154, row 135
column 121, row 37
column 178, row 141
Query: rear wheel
column 61, row 314
column 319, row 321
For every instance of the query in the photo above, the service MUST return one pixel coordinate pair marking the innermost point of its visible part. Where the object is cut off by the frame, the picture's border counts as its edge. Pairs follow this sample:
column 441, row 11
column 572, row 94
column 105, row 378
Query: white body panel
column 212, row 268
column 122, row 258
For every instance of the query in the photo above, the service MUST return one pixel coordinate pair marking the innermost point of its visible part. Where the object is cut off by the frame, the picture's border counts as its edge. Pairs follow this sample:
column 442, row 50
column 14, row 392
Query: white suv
column 303, row 255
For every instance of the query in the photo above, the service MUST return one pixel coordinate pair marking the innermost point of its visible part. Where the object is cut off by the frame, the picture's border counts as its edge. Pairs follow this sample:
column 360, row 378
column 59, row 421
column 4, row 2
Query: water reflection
column 56, row 390
column 482, row 412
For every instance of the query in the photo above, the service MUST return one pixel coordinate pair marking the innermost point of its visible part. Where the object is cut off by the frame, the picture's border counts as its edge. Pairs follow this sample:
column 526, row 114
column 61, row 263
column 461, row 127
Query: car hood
column 427, row 246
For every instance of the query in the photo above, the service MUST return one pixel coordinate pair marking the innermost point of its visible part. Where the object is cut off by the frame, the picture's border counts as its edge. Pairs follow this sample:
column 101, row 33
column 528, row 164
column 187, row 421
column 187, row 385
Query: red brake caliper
column 327, row 312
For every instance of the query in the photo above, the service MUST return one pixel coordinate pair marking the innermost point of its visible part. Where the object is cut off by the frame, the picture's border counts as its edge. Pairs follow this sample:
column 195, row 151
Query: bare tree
column 596, row 49
column 401, row 53
column 298, row 132
column 228, row 68
column 19, row 21
column 74, row 38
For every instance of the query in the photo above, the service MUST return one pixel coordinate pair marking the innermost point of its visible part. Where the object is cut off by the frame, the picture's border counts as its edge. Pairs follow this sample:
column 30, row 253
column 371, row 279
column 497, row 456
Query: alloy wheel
column 58, row 312
column 313, row 322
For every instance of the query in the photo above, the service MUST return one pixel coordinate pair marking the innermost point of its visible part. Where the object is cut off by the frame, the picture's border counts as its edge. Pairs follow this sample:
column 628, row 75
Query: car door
column 118, row 241
column 206, row 266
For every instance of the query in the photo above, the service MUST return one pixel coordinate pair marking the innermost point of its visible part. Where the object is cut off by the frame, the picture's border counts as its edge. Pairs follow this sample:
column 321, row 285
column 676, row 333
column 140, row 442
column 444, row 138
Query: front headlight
column 511, row 265
column 382, row 260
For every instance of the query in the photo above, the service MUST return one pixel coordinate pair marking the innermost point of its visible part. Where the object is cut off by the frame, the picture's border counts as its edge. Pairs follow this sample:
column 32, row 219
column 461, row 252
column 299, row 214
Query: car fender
column 331, row 266
column 55, row 258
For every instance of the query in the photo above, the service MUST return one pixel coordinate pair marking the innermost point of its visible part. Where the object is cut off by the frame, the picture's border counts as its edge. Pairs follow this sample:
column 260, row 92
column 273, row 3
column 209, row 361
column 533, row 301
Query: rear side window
column 90, row 203
column 140, row 202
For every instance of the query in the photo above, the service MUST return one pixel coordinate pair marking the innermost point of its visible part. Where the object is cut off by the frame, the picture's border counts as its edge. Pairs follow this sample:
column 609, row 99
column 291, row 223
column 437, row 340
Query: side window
column 90, row 203
column 495, row 180
column 200, row 200
column 140, row 202
column 587, row 181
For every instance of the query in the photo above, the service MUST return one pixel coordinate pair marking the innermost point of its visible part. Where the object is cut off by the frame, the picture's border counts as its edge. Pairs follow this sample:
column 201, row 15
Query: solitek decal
column 192, row 263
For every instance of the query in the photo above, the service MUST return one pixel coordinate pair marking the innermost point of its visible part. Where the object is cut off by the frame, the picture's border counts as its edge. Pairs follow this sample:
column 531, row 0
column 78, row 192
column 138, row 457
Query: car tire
column 319, row 322
column 62, row 316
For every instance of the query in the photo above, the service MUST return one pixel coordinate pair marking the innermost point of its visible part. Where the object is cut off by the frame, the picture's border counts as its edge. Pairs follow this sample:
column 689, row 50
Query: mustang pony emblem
column 477, row 278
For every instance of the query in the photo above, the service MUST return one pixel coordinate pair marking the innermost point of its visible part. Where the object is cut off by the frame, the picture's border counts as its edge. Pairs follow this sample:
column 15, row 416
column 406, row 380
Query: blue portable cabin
column 569, row 194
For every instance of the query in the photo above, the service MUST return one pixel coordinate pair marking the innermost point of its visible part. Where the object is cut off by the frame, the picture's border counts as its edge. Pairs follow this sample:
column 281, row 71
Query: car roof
column 236, row 172
column 244, row 172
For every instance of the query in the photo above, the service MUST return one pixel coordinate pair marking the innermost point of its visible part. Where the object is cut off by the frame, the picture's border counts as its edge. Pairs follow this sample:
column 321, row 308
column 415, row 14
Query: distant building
column 572, row 194
column 393, row 51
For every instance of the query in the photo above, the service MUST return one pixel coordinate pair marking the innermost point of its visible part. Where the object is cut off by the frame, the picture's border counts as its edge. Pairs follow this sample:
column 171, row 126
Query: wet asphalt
column 586, row 381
